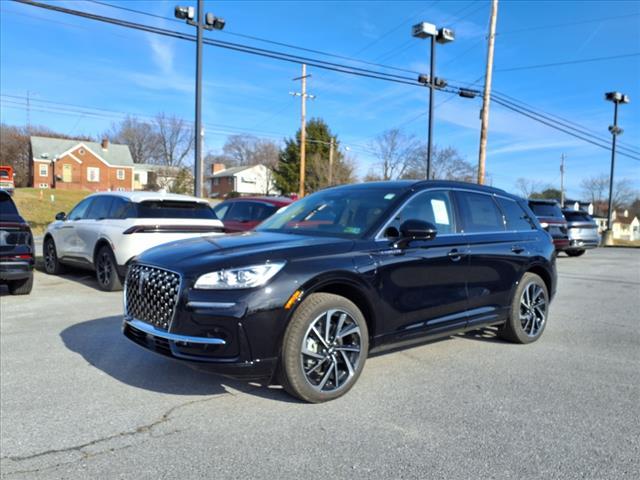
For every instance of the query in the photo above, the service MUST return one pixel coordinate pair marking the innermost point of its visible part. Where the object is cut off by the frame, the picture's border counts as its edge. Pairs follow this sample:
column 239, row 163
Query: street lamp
column 442, row 35
column 211, row 23
column 617, row 98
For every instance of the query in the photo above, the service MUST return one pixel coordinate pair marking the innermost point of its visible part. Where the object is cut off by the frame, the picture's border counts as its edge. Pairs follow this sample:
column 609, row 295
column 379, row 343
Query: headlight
column 244, row 277
column 544, row 224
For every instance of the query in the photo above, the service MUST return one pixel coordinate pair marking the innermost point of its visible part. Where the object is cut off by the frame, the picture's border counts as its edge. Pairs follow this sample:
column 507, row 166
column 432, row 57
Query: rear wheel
column 324, row 348
column 21, row 287
column 51, row 263
column 575, row 253
column 529, row 310
column 107, row 270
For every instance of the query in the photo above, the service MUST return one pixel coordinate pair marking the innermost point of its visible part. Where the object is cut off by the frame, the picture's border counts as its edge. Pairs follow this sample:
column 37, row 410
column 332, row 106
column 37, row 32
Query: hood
column 200, row 254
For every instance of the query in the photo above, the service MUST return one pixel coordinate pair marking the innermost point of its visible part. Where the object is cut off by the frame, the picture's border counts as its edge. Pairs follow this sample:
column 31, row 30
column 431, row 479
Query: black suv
column 17, row 250
column 342, row 273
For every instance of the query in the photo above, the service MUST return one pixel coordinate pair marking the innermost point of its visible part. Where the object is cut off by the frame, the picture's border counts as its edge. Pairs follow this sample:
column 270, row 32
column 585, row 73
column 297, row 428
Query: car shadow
column 101, row 343
column 74, row 274
column 485, row 334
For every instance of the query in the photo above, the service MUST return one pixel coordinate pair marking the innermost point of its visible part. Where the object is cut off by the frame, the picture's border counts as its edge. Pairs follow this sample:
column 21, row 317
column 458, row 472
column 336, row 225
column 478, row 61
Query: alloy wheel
column 104, row 269
column 331, row 350
column 50, row 257
column 533, row 309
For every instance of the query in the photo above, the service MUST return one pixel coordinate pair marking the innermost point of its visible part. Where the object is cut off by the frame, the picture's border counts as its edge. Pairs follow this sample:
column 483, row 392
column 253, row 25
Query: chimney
column 105, row 143
column 217, row 167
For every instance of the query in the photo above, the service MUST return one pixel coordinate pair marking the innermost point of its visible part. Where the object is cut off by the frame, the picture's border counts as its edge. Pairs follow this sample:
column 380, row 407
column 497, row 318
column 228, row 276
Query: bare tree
column 175, row 140
column 141, row 138
column 446, row 164
column 528, row 187
column 596, row 190
column 395, row 152
column 241, row 150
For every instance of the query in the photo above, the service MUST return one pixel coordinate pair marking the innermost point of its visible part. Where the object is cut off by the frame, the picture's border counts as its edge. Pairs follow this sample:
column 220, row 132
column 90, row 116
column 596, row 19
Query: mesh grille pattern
column 151, row 295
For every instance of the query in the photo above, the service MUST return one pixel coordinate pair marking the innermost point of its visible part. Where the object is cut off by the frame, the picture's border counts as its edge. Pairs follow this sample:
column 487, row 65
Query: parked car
column 583, row 232
column 303, row 301
column 550, row 216
column 245, row 213
column 6, row 179
column 106, row 230
column 16, row 248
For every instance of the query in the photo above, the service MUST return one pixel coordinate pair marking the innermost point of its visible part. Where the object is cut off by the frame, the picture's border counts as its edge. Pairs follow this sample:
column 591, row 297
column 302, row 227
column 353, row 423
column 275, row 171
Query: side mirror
column 415, row 230
column 61, row 216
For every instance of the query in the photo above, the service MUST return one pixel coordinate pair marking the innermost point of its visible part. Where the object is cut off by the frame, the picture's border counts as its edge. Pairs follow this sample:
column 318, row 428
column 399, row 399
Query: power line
column 567, row 24
column 568, row 62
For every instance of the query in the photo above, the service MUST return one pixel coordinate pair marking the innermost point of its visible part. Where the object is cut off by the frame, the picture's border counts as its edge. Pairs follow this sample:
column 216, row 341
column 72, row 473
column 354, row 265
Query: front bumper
column 15, row 270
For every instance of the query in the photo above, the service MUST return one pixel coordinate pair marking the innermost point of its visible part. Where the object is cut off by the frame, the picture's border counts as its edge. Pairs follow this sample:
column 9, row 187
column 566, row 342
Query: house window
column 93, row 174
column 44, row 170
column 43, row 185
column 216, row 181
column 120, row 174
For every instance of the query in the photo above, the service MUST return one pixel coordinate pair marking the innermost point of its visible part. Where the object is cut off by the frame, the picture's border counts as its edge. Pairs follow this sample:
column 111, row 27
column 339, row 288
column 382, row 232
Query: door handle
column 517, row 249
column 455, row 254
column 66, row 226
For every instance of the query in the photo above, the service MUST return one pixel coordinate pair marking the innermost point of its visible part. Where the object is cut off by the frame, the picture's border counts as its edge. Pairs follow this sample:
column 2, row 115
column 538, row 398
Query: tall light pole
column 617, row 98
column 443, row 35
column 211, row 22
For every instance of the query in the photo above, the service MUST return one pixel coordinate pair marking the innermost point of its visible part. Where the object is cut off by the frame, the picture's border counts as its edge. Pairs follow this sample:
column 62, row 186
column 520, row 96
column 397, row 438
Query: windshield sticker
column 440, row 211
column 389, row 196
column 354, row 230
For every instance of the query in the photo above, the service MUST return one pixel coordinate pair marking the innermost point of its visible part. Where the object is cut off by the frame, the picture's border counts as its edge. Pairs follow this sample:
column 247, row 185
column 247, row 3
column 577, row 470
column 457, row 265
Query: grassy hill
column 40, row 211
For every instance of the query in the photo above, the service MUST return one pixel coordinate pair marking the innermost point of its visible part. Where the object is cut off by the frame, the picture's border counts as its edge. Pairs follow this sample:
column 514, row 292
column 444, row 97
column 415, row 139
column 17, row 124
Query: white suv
column 106, row 230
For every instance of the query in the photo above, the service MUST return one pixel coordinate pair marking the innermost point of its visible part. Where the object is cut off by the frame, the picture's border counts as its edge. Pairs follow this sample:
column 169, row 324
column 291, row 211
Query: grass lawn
column 40, row 211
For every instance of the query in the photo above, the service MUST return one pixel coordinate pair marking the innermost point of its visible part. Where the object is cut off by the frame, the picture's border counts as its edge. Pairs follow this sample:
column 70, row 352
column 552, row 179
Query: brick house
column 80, row 165
column 245, row 180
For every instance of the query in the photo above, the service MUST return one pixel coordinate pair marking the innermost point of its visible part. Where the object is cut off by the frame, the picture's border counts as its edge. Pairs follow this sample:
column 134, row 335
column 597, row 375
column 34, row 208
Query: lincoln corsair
column 345, row 272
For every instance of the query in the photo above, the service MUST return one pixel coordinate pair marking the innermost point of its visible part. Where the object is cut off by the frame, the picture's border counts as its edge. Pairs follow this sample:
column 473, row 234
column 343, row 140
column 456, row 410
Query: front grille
column 151, row 295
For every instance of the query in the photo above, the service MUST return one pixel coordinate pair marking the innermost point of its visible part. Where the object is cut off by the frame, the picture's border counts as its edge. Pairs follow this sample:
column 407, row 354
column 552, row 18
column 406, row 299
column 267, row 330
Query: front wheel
column 575, row 253
column 529, row 311
column 107, row 270
column 324, row 349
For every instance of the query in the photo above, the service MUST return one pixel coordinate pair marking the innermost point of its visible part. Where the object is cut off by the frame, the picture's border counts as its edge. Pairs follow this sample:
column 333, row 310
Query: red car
column 245, row 213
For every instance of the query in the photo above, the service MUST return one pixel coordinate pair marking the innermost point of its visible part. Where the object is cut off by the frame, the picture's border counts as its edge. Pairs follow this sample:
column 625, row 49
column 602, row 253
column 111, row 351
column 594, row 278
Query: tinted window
column 7, row 206
column 221, row 210
column 515, row 217
column 120, row 208
column 577, row 216
column 80, row 210
column 432, row 207
column 243, row 211
column 175, row 209
column 345, row 212
column 479, row 213
column 100, row 207
column 4, row 174
column 546, row 209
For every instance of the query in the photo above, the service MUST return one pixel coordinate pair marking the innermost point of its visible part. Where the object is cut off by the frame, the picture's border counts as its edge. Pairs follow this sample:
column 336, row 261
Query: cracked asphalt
column 78, row 400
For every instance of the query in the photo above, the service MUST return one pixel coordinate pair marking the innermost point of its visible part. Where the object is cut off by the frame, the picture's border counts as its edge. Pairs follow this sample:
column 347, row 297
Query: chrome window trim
column 174, row 337
column 380, row 235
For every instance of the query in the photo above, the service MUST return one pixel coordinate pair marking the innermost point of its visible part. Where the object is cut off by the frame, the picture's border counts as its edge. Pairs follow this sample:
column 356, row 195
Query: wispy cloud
column 163, row 53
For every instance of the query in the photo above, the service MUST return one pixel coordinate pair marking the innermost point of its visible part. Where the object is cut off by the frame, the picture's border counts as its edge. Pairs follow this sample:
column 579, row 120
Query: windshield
column 343, row 212
column 546, row 209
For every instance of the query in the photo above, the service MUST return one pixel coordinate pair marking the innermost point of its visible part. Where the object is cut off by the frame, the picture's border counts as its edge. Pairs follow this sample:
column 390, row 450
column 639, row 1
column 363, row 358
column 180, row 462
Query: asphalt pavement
column 78, row 400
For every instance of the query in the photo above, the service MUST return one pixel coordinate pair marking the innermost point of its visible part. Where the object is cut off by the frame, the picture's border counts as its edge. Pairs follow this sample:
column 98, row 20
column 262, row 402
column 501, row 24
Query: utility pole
column 562, row 181
column 484, row 126
column 303, row 125
column 332, row 146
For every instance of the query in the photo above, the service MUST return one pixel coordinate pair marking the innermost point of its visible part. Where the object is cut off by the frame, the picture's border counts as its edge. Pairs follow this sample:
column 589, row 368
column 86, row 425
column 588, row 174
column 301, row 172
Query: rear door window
column 515, row 218
column 479, row 213
column 120, row 208
column 431, row 206
column 175, row 209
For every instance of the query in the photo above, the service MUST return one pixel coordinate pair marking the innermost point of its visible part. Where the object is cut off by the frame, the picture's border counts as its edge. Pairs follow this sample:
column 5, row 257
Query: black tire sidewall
column 56, row 267
column 114, row 282
column 314, row 305
column 515, row 326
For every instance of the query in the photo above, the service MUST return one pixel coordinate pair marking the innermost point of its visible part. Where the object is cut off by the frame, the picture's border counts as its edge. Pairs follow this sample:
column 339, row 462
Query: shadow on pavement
column 74, row 274
column 101, row 344
column 486, row 334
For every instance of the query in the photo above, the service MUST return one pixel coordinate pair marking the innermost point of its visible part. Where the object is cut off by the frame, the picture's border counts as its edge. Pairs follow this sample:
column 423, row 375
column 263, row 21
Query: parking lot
column 81, row 401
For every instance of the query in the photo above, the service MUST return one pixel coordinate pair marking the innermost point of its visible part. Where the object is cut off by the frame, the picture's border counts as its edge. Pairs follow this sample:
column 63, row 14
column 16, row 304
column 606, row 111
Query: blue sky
column 80, row 62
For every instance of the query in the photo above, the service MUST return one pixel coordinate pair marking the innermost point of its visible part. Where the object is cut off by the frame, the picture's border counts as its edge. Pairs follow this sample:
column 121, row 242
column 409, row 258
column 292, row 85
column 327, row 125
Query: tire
column 52, row 264
column 304, row 374
column 21, row 287
column 575, row 253
column 107, row 270
column 526, row 320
